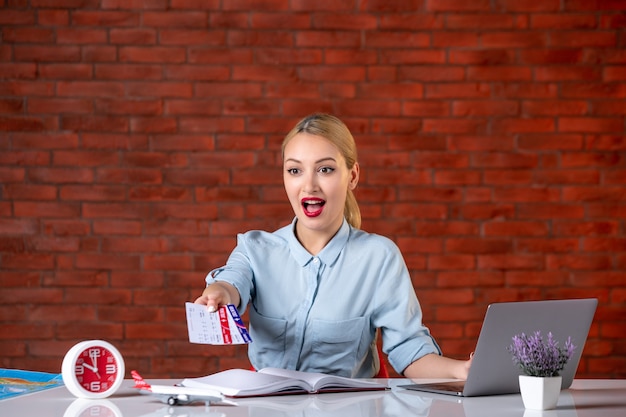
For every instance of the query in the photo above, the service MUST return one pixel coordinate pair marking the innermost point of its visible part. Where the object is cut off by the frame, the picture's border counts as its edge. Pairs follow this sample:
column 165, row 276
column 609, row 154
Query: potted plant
column 541, row 361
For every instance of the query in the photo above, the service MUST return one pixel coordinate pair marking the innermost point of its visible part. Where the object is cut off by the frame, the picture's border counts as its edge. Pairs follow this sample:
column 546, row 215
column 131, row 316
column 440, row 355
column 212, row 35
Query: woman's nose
column 310, row 183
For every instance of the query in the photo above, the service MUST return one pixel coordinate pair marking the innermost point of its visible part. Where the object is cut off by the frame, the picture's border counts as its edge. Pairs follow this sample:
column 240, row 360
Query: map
column 14, row 382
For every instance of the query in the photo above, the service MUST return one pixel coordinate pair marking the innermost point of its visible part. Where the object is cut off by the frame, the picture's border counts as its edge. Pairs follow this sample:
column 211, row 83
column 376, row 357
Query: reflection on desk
column 586, row 398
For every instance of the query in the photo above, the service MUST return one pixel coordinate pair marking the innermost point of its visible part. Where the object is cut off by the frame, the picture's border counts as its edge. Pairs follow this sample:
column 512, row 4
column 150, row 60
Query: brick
column 133, row 36
column 485, row 21
column 29, row 124
column 583, row 39
column 457, row 5
column 418, row 245
column 592, row 159
column 456, row 177
column 550, row 211
column 555, row 107
column 456, row 90
column 540, row 56
column 75, row 36
column 18, row 70
column 53, row 17
column 563, row 21
column 590, row 124
column 28, row 35
column 423, row 73
column 455, row 39
column 195, row 4
column 499, row 73
column 339, row 22
column 60, row 105
column 477, row 246
column 89, row 88
column 226, row 56
column 508, row 261
column 585, row 228
column 47, row 53
column 485, row 108
column 99, row 53
column 155, row 331
column 545, row 245
column 17, row 17
column 609, row 108
column 515, row 228
column 562, row 74
column 594, row 90
column 549, row 177
column 30, row 192
column 152, row 54
column 393, row 39
column 451, row 263
column 80, row 331
column 126, row 71
column 319, row 38
column 536, row 279
column 578, row 262
column 105, row 18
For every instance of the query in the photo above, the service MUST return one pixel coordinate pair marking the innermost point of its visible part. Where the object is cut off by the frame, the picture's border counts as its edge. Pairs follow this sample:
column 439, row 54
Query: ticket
column 223, row 327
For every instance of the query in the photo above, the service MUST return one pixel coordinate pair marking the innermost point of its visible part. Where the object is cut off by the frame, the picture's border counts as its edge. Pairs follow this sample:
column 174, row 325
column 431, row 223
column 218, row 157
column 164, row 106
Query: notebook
column 493, row 370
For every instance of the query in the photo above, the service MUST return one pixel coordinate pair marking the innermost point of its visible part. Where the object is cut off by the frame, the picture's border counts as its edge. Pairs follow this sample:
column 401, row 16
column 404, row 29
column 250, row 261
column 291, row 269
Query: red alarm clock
column 93, row 369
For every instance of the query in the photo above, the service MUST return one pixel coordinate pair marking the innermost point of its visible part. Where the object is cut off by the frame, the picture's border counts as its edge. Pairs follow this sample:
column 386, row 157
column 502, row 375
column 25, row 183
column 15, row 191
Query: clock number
column 94, row 386
column 94, row 353
column 111, row 368
column 79, row 370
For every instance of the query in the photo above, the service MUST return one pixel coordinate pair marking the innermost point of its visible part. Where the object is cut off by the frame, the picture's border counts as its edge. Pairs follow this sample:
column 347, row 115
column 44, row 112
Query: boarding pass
column 223, row 327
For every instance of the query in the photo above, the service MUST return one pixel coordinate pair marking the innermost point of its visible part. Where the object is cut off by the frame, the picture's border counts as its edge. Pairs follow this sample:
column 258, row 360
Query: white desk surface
column 586, row 398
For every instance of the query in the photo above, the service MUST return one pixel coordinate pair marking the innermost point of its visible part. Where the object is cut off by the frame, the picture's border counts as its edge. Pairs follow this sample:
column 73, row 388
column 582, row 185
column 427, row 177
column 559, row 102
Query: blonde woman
column 318, row 289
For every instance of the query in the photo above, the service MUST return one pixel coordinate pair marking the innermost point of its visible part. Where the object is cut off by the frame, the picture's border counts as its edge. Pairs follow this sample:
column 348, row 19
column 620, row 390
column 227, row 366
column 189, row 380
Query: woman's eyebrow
column 319, row 161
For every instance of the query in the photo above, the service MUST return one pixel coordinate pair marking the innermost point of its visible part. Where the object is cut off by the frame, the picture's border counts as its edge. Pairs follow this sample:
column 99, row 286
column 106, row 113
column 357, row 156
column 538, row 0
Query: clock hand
column 94, row 366
column 94, row 362
column 91, row 368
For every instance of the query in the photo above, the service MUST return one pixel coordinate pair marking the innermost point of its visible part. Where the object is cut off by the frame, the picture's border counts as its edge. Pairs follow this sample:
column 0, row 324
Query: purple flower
column 537, row 357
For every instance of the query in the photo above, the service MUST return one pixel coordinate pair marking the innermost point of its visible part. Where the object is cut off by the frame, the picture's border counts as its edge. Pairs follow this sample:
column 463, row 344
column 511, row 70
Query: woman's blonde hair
column 334, row 130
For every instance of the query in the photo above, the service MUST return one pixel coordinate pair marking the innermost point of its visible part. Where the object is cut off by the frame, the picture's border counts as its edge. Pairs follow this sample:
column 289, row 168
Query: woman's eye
column 293, row 171
column 326, row 170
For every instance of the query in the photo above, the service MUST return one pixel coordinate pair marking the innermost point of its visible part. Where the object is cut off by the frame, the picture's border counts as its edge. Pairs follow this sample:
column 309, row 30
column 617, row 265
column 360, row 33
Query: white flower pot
column 540, row 393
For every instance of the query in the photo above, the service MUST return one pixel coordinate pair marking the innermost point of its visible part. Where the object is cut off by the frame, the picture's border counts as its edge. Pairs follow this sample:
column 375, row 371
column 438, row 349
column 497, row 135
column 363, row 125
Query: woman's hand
column 435, row 366
column 218, row 294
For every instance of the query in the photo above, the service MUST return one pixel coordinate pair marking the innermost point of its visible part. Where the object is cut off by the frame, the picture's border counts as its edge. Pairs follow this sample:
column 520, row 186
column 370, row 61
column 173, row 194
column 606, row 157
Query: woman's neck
column 314, row 240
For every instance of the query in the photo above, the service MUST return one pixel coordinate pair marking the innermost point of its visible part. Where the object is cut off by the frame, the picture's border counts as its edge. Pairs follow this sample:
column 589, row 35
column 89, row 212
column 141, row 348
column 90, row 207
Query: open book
column 275, row 381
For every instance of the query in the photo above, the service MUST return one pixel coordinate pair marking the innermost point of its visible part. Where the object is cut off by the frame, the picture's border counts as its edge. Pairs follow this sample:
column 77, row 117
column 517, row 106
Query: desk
column 591, row 398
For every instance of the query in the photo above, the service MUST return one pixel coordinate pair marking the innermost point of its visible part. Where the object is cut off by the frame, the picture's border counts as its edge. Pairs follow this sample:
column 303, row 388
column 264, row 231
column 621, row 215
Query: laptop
column 493, row 370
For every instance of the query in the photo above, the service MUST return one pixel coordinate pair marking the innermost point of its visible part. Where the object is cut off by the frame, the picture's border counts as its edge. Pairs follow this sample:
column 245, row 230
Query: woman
column 319, row 288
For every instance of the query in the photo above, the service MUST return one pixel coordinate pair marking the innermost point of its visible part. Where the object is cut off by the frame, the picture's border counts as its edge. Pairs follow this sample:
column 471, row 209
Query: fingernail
column 211, row 309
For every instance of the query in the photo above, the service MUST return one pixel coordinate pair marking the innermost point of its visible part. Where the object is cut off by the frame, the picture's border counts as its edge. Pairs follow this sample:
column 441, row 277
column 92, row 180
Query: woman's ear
column 354, row 176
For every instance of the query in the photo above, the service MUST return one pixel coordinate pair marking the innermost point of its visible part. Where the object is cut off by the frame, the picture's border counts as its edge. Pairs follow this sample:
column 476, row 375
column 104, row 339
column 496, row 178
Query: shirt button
column 316, row 260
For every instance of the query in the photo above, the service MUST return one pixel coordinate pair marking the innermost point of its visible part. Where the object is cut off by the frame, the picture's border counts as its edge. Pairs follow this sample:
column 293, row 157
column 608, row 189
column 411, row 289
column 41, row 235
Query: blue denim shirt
column 320, row 313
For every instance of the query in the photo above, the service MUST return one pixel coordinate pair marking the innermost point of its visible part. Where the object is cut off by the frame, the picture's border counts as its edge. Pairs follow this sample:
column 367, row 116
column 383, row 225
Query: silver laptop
column 493, row 370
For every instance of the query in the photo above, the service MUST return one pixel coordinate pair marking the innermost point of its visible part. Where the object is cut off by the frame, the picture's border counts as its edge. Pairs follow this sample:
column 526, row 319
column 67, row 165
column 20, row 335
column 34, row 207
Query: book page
column 242, row 383
column 320, row 381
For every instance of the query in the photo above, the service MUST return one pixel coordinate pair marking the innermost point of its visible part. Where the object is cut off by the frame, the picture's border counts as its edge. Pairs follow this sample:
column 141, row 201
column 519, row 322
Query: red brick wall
column 138, row 137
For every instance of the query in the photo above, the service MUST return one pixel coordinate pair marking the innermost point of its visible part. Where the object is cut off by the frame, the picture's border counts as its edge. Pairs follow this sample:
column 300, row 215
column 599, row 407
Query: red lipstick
column 312, row 206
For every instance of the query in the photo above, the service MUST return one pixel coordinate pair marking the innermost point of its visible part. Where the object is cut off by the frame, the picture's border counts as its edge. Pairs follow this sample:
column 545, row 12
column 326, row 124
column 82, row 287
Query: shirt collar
column 328, row 255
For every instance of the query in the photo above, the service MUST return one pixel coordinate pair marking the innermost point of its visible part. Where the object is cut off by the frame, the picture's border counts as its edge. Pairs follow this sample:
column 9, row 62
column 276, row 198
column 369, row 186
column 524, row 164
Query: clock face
column 96, row 369
column 93, row 369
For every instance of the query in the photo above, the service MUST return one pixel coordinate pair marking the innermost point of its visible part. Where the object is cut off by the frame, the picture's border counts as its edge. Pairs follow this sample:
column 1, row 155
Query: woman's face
column 317, row 181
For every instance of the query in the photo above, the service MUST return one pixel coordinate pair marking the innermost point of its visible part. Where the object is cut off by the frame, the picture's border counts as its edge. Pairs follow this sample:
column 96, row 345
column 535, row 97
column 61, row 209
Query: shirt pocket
column 336, row 345
column 268, row 340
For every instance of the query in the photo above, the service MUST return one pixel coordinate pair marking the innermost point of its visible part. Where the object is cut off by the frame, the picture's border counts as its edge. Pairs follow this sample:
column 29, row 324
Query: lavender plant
column 537, row 357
